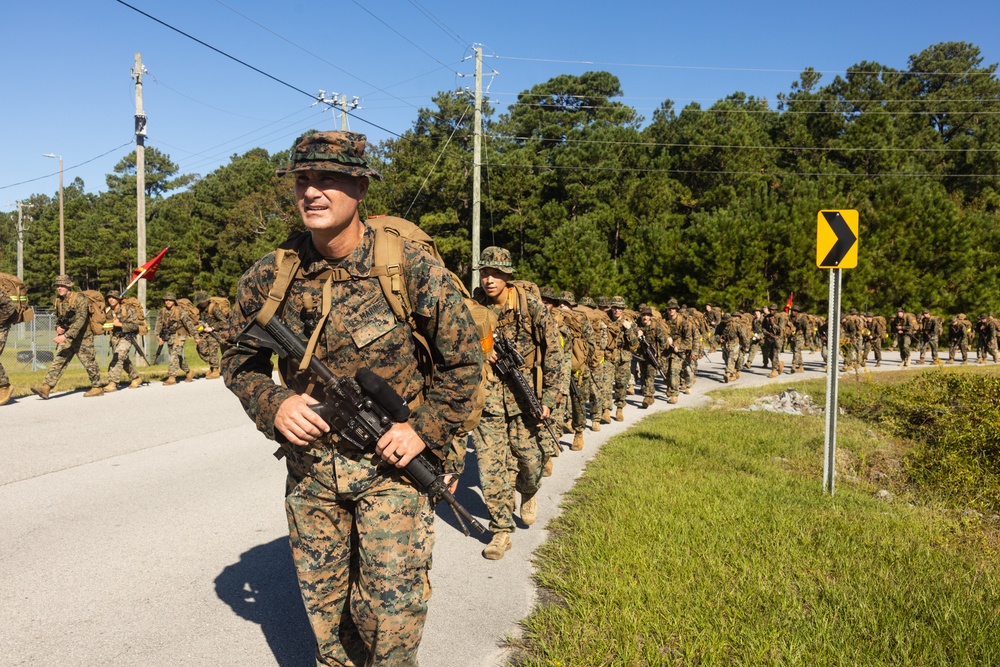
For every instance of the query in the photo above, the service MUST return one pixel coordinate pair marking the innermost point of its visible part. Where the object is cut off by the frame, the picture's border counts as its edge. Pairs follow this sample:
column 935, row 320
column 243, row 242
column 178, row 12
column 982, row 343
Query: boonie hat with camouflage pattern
column 496, row 258
column 63, row 281
column 603, row 302
column 200, row 297
column 672, row 304
column 548, row 293
column 343, row 152
column 618, row 302
column 645, row 309
column 567, row 298
column 170, row 296
column 588, row 302
column 113, row 294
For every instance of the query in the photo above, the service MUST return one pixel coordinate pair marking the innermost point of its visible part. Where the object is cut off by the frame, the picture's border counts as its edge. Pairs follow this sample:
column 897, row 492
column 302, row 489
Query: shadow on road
column 262, row 588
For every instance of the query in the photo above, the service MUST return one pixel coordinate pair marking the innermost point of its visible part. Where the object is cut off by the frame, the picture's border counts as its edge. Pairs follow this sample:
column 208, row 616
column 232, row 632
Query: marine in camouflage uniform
column 655, row 336
column 875, row 328
column 930, row 332
column 727, row 332
column 361, row 534
column 214, row 315
column 756, row 337
column 800, row 322
column 713, row 317
column 958, row 338
column 701, row 332
column 512, row 447
column 582, row 331
column 598, row 392
column 173, row 325
column 852, row 334
column 626, row 341
column 124, row 327
column 681, row 335
column 8, row 313
column 986, row 342
column 904, row 326
column 774, row 339
column 605, row 377
column 73, row 337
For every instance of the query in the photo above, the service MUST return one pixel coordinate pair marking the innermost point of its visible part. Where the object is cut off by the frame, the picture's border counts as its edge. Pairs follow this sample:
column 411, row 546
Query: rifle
column 508, row 368
column 138, row 348
column 650, row 355
column 360, row 410
column 574, row 389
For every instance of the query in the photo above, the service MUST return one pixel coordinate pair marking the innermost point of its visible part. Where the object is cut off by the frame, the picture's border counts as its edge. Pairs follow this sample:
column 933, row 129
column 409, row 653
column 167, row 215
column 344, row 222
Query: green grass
column 75, row 377
column 704, row 538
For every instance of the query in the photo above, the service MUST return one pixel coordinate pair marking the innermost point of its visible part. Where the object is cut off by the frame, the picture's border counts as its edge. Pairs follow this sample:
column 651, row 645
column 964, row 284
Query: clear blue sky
column 68, row 88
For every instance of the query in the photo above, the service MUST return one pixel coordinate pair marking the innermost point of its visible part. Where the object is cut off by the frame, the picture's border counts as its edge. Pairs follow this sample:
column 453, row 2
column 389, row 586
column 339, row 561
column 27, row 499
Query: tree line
column 713, row 204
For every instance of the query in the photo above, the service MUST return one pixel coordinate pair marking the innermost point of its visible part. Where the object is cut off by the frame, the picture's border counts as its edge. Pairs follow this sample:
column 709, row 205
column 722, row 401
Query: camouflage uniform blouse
column 73, row 314
column 362, row 332
column 127, row 316
column 174, row 320
column 215, row 316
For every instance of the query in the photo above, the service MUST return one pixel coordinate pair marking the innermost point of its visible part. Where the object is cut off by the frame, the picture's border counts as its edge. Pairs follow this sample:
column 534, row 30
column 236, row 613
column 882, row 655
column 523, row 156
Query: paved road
column 146, row 527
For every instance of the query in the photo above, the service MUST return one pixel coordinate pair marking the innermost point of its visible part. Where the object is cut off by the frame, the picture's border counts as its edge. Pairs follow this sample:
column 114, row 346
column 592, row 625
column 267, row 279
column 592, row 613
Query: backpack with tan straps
column 95, row 306
column 18, row 293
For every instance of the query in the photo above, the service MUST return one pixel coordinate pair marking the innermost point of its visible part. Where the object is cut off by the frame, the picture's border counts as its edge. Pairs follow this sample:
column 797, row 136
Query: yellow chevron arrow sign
column 837, row 239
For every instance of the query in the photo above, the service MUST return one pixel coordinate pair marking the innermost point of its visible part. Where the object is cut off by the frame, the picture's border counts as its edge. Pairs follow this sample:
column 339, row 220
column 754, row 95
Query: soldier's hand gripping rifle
column 650, row 355
column 508, row 369
column 360, row 410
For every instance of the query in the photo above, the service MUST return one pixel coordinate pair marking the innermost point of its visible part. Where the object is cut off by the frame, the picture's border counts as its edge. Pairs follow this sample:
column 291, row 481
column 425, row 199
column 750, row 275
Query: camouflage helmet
column 672, row 304
column 644, row 309
column 200, row 297
column 113, row 294
column 343, row 152
column 496, row 258
column 588, row 302
column 63, row 281
column 567, row 298
column 618, row 302
column 170, row 296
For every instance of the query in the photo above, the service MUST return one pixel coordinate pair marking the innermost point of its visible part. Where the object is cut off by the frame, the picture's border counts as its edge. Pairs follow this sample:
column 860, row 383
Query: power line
column 776, row 174
column 445, row 29
column 79, row 164
column 404, row 37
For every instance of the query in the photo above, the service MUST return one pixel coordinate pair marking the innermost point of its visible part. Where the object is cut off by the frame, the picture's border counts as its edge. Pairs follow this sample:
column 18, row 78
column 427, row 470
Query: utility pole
column 341, row 101
column 20, row 238
column 140, row 175
column 477, row 140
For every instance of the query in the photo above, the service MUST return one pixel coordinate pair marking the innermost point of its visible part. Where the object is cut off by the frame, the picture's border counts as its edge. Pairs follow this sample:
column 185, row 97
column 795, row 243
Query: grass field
column 703, row 537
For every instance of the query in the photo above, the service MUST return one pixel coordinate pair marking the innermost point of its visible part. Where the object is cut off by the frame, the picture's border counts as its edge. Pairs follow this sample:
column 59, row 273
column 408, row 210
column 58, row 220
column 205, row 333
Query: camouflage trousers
column 772, row 352
column 578, row 406
column 603, row 387
column 622, row 379
column 82, row 347
column 121, row 348
column 986, row 347
column 647, row 378
column 903, row 342
column 751, row 353
column 731, row 356
column 873, row 344
column 673, row 367
column 797, row 343
column 928, row 343
column 177, row 361
column 510, row 459
column 208, row 350
column 362, row 563
column 689, row 369
column 958, row 345
column 4, row 380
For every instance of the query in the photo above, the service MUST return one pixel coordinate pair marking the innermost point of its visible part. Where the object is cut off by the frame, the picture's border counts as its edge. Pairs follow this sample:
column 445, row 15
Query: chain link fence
column 30, row 346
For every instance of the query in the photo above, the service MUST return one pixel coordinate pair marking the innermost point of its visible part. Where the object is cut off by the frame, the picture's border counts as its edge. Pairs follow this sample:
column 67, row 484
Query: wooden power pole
column 140, row 175
column 477, row 140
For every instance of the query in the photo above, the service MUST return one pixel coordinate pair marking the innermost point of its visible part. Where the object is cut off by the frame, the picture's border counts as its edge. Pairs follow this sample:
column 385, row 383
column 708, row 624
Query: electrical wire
column 71, row 168
column 445, row 29
column 438, row 159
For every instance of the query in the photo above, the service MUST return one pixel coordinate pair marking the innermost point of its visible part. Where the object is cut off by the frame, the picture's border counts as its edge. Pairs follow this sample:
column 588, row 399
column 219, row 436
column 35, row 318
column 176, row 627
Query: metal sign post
column 832, row 363
column 836, row 249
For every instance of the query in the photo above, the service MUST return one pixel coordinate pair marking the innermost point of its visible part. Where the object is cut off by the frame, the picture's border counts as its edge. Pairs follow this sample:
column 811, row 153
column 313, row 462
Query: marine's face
column 328, row 200
column 644, row 320
column 62, row 290
column 616, row 313
column 493, row 281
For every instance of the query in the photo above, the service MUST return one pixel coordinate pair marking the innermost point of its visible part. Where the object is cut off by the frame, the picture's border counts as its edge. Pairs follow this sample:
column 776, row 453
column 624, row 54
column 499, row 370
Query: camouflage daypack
column 192, row 311
column 18, row 293
column 133, row 303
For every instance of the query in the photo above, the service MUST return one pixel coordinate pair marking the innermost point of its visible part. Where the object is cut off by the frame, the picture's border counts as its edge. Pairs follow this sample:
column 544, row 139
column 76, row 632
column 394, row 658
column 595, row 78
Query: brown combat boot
column 567, row 428
column 110, row 387
column 577, row 442
column 781, row 367
column 190, row 375
column 213, row 374
column 606, row 416
column 94, row 391
column 5, row 393
column 135, row 384
column 498, row 546
column 547, row 470
column 529, row 509
column 672, row 400
column 42, row 391
column 595, row 425
column 772, row 374
column 619, row 416
column 647, row 401
column 170, row 380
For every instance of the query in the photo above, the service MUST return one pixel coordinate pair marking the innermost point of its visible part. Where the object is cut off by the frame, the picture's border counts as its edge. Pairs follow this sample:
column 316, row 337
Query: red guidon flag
column 147, row 270
column 788, row 306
